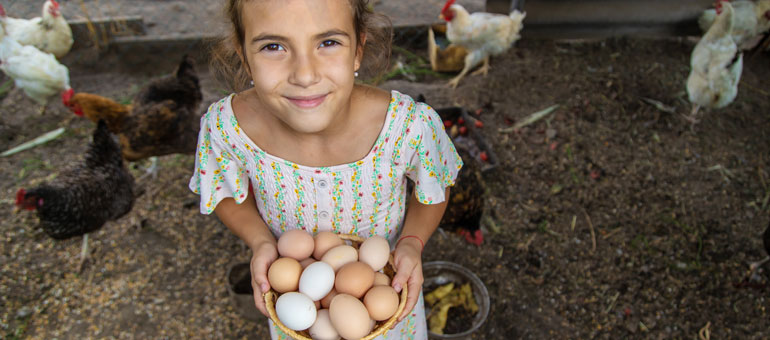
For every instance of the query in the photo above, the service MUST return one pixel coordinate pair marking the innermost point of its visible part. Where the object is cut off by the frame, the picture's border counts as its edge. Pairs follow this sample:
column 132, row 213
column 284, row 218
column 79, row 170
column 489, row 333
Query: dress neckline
column 377, row 143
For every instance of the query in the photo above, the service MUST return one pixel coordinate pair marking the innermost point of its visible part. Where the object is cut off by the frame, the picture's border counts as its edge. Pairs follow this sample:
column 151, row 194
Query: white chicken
column 49, row 32
column 37, row 73
column 751, row 20
column 716, row 64
column 482, row 34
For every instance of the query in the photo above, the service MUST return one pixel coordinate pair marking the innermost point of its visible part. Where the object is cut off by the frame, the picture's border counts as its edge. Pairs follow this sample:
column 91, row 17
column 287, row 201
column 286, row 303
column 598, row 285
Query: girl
column 307, row 148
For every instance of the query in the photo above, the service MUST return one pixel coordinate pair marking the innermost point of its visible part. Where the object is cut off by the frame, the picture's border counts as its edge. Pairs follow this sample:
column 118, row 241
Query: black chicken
column 84, row 197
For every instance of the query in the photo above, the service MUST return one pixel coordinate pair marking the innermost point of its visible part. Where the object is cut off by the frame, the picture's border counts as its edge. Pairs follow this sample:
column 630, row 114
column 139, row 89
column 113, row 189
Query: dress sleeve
column 433, row 162
column 219, row 173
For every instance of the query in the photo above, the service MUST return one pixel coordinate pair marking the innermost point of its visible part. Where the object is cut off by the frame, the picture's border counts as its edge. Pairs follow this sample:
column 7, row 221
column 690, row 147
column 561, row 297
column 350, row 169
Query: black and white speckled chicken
column 83, row 198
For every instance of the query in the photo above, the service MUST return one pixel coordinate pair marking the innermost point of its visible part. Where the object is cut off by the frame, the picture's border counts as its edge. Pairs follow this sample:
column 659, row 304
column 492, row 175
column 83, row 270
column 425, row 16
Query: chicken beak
column 441, row 16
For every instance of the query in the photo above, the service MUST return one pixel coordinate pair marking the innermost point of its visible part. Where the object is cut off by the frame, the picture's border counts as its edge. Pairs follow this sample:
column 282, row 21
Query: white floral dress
column 366, row 197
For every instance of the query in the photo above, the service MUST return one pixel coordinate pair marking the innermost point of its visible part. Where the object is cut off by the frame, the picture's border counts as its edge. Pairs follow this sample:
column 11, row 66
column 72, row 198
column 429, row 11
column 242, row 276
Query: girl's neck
column 348, row 139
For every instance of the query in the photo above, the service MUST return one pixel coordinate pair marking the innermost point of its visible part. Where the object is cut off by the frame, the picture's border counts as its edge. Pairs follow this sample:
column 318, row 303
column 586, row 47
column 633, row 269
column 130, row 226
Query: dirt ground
column 608, row 219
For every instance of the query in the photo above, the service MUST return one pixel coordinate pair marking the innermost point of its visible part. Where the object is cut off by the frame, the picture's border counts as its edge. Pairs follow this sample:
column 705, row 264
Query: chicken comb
column 20, row 196
column 66, row 96
column 55, row 5
column 2, row 11
column 447, row 4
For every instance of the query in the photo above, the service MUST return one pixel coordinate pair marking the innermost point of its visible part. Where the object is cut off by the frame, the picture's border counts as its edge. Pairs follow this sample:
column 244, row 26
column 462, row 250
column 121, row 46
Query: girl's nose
column 305, row 72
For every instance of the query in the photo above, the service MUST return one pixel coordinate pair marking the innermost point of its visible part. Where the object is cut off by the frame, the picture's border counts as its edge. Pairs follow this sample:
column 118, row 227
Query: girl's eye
column 329, row 43
column 272, row 47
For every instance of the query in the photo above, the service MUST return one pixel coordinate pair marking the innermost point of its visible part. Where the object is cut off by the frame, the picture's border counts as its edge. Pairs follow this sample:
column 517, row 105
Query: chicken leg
column 83, row 253
column 484, row 69
column 471, row 60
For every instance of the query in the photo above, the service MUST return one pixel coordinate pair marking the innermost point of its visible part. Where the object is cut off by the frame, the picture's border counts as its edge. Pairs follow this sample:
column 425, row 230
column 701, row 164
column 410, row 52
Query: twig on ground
column 531, row 119
column 659, row 105
column 42, row 139
column 525, row 246
column 705, row 333
column 613, row 300
column 593, row 234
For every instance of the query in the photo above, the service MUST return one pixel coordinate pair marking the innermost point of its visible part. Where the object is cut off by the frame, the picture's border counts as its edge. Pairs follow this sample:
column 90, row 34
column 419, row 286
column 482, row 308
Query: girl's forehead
column 296, row 16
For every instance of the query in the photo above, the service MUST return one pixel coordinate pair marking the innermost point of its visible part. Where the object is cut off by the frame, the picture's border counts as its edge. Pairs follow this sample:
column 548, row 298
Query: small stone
column 24, row 312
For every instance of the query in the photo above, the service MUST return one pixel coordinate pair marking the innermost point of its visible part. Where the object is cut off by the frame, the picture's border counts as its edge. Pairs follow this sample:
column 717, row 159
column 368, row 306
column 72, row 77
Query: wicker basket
column 379, row 328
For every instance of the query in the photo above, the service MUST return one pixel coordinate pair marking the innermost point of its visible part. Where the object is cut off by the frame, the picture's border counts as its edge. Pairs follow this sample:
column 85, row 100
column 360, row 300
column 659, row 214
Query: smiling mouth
column 307, row 102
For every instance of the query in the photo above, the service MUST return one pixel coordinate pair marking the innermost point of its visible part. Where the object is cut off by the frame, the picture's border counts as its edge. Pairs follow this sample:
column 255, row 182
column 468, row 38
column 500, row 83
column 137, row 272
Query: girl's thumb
column 398, row 282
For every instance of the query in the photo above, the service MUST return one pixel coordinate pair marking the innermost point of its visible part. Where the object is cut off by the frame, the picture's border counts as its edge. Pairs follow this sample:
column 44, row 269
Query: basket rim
column 379, row 329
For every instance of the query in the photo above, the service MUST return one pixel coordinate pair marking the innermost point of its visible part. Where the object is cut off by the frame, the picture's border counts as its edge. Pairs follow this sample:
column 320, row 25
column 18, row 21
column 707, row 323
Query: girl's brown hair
column 228, row 68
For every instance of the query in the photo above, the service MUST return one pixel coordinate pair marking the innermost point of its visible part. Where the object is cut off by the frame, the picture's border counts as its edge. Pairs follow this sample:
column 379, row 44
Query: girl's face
column 301, row 55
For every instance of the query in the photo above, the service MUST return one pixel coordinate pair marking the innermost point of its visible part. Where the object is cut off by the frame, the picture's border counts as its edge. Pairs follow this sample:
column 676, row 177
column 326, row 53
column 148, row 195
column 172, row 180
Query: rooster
column 85, row 197
column 49, row 33
column 716, row 65
column 482, row 34
column 37, row 73
column 750, row 21
column 162, row 119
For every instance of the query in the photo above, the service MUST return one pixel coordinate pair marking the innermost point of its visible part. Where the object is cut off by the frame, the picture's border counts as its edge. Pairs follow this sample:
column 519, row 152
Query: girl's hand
column 262, row 256
column 407, row 259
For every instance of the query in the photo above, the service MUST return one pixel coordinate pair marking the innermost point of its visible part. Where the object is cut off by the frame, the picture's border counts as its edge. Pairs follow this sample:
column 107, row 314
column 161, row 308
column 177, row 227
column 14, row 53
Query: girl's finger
column 259, row 301
column 413, row 294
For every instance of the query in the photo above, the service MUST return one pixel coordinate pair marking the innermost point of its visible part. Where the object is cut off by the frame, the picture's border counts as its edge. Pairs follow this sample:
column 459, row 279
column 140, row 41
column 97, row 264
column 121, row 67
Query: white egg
column 322, row 329
column 295, row 310
column 316, row 280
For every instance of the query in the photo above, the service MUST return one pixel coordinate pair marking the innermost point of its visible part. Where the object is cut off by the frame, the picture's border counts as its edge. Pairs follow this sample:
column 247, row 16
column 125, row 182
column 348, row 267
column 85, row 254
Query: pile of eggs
column 329, row 288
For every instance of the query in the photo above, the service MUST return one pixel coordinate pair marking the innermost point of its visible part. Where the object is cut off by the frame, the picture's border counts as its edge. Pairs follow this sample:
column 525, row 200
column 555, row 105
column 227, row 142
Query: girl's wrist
column 414, row 240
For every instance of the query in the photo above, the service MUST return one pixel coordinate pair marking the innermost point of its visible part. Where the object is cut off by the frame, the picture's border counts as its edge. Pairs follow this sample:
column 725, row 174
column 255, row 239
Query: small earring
column 355, row 74
column 251, row 82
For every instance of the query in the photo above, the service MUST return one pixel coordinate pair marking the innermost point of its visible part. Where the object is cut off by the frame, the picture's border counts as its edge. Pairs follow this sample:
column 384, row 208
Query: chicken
column 37, row 73
column 162, row 119
column 482, row 34
column 750, row 20
column 83, row 198
column 449, row 59
column 49, row 33
column 715, row 65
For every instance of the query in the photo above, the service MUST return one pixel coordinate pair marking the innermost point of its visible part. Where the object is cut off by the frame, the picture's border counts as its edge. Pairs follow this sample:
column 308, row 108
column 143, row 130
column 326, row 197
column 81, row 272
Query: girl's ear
column 360, row 51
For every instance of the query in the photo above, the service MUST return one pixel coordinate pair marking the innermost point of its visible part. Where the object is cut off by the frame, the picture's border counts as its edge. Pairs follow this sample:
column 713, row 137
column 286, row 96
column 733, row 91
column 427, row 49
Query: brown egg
column 381, row 302
column 350, row 317
column 324, row 241
column 327, row 300
column 306, row 262
column 354, row 278
column 284, row 274
column 381, row 279
column 295, row 243
column 339, row 256
column 374, row 251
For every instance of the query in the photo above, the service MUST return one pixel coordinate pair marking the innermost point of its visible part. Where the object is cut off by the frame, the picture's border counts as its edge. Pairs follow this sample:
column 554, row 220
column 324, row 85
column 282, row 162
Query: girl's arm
column 246, row 223
column 421, row 221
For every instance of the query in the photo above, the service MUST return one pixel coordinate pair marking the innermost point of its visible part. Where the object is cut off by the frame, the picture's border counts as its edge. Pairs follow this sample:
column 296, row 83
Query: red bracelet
column 422, row 244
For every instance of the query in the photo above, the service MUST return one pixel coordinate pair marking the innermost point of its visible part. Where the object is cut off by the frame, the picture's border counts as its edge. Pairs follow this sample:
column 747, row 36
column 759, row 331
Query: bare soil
column 608, row 219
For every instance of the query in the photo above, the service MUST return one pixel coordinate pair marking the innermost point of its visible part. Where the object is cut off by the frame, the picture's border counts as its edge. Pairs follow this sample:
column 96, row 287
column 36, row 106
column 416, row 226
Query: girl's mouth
column 307, row 102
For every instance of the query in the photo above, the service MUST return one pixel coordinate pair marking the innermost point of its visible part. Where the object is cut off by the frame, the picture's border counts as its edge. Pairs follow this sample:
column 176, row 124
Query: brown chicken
column 162, row 119
column 448, row 59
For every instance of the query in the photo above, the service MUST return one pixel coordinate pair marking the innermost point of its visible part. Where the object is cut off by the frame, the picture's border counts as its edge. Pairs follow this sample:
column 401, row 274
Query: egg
column 324, row 241
column 316, row 280
column 327, row 300
column 374, row 251
column 295, row 310
column 340, row 255
column 284, row 274
column 354, row 278
column 350, row 317
column 306, row 262
column 381, row 279
column 295, row 243
column 381, row 302
column 322, row 329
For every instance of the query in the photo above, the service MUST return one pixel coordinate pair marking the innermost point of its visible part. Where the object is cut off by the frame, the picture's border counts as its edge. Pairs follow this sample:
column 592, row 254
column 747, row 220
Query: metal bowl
column 439, row 273
column 240, row 291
